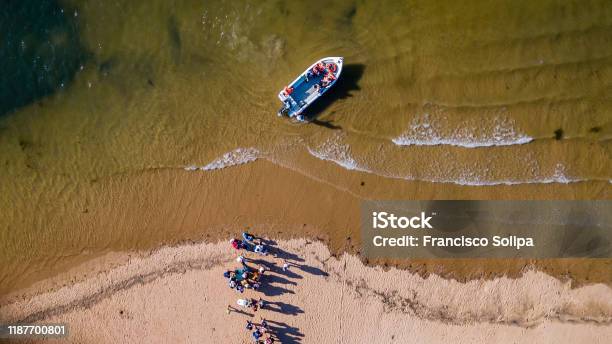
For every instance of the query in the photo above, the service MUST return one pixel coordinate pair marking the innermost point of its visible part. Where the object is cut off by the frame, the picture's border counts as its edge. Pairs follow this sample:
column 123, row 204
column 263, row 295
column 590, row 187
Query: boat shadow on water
column 344, row 88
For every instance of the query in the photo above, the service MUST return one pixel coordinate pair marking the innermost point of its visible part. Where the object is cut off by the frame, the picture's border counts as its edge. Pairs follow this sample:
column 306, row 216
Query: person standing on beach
column 236, row 244
column 256, row 335
column 260, row 303
column 261, row 249
column 243, row 303
column 248, row 237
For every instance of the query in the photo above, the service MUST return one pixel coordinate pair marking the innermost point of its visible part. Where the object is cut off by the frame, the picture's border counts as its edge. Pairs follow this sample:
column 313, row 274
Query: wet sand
column 139, row 211
column 178, row 294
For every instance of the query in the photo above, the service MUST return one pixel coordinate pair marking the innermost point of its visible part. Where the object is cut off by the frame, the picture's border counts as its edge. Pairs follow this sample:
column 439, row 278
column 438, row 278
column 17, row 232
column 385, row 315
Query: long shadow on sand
column 269, row 289
column 290, row 274
column 279, row 280
column 240, row 311
column 267, row 242
column 273, row 287
column 346, row 84
column 288, row 256
column 286, row 334
column 312, row 270
column 275, row 268
column 282, row 307
column 306, row 268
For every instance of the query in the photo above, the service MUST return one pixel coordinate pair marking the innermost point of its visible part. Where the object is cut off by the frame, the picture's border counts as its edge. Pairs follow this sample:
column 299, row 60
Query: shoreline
column 86, row 268
column 142, row 211
column 188, row 279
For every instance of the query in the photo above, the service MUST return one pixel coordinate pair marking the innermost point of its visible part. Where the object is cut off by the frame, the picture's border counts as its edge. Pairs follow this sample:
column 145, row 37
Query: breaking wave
column 424, row 131
column 238, row 156
column 340, row 153
column 559, row 176
column 337, row 153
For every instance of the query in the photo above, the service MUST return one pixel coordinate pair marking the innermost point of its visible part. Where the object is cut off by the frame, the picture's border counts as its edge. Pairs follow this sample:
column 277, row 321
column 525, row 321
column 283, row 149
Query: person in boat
column 284, row 110
column 326, row 81
column 316, row 70
column 332, row 67
column 288, row 90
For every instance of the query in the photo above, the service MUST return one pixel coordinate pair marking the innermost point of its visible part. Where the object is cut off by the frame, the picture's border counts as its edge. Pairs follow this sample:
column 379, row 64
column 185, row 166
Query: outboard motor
column 284, row 110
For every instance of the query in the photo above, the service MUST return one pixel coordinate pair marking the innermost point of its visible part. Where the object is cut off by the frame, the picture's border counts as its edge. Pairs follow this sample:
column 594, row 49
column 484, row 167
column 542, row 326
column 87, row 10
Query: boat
column 309, row 86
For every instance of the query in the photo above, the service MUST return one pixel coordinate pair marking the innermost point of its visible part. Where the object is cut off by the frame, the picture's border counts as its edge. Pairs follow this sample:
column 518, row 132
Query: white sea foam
column 339, row 152
column 472, row 179
column 497, row 131
column 335, row 151
column 238, row 156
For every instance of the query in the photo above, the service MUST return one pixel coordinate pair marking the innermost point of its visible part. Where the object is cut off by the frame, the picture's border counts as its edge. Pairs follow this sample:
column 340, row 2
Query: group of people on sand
column 261, row 330
column 247, row 277
column 248, row 243
column 244, row 277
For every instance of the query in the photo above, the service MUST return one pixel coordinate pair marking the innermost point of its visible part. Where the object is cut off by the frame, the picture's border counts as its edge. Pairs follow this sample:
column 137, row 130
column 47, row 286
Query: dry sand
column 178, row 294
